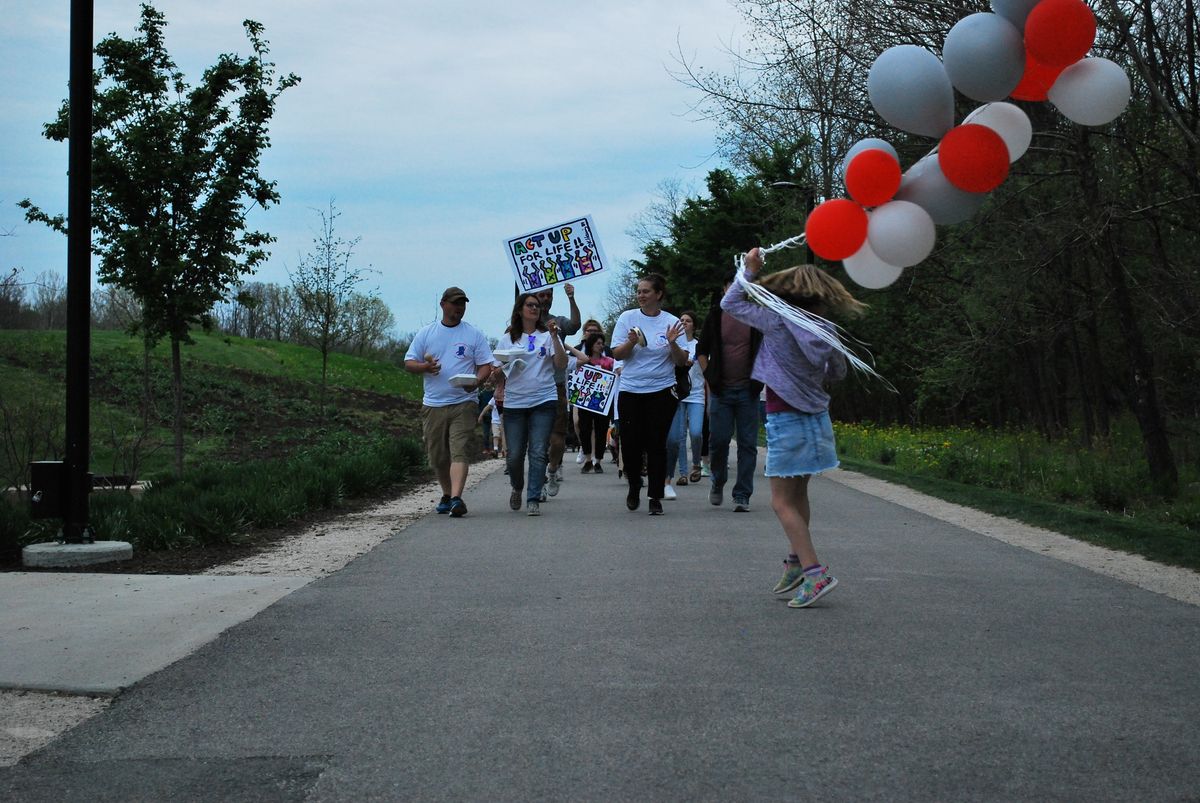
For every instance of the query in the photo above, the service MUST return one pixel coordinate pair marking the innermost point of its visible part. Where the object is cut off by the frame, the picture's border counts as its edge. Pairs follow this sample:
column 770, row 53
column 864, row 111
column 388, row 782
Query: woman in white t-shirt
column 530, row 351
column 647, row 399
column 688, row 424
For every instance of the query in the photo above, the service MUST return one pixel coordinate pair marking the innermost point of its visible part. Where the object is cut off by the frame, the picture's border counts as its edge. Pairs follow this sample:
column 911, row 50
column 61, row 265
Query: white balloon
column 909, row 88
column 901, row 233
column 869, row 271
column 1009, row 122
column 1015, row 11
column 984, row 56
column 926, row 186
column 868, row 144
column 1091, row 91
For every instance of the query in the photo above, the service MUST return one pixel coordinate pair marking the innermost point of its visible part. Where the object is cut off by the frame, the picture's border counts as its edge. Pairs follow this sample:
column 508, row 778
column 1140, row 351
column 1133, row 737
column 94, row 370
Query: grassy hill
column 243, row 399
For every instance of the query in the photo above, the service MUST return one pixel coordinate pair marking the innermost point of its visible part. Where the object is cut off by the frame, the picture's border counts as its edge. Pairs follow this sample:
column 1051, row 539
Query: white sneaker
column 552, row 484
column 579, row 457
column 558, row 475
column 668, row 492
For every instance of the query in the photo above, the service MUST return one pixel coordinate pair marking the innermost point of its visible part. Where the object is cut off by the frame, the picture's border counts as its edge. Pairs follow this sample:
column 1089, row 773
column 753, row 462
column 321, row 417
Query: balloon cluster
column 1030, row 50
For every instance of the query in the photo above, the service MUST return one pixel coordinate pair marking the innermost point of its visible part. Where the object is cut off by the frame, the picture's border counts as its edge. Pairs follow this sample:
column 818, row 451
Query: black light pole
column 77, row 480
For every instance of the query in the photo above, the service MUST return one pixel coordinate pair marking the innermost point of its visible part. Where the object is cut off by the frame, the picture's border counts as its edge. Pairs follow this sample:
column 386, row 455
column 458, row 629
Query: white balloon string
column 825, row 330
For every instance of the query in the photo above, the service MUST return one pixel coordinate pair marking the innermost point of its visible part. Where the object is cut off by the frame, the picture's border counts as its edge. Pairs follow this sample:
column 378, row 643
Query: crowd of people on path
column 685, row 390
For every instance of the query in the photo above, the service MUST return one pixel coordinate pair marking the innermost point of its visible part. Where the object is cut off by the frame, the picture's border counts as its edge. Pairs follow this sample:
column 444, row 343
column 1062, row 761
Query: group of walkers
column 670, row 384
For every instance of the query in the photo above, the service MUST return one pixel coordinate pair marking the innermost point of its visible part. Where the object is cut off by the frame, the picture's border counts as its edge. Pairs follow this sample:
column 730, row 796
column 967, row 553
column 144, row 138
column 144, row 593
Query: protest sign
column 562, row 253
column 591, row 389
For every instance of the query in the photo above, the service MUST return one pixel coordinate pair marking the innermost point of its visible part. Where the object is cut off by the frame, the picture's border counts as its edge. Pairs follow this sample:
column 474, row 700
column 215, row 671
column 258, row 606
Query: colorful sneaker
column 552, row 484
column 656, row 507
column 669, row 492
column 444, row 505
column 793, row 576
column 587, row 468
column 704, row 472
column 741, row 505
column 533, row 509
column 813, row 588
column 599, row 469
column 514, row 499
column 458, row 508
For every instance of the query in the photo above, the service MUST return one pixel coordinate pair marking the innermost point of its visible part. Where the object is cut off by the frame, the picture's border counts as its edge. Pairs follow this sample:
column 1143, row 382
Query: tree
column 325, row 283
column 175, row 169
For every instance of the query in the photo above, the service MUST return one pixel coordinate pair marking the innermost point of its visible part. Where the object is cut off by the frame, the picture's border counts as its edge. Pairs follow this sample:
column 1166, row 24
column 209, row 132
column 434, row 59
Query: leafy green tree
column 175, row 170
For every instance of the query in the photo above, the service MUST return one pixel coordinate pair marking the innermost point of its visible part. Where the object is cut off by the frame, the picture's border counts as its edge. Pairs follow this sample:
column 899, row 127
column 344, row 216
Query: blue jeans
column 528, row 429
column 687, row 425
column 729, row 410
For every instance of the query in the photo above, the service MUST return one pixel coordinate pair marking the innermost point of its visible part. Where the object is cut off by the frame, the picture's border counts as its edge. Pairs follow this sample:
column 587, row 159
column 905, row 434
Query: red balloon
column 836, row 229
column 1059, row 33
column 872, row 177
column 973, row 158
column 1037, row 79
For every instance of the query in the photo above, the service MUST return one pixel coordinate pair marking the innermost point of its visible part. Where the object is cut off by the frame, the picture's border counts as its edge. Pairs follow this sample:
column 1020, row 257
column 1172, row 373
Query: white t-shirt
column 534, row 384
column 460, row 349
column 695, row 375
column 648, row 369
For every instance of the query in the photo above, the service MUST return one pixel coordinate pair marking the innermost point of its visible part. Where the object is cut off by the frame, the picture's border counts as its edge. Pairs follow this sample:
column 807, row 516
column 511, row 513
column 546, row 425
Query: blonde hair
column 807, row 286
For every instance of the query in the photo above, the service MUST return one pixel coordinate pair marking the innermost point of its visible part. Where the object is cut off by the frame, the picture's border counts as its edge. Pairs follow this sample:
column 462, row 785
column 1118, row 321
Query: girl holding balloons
column 795, row 366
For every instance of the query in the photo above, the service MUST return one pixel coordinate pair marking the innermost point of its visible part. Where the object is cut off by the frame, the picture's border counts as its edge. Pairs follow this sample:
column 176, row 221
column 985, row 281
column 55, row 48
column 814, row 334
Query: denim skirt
column 799, row 444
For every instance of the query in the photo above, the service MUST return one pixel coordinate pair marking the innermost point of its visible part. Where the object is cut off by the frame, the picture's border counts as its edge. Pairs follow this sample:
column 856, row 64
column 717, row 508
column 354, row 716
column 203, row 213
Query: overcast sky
column 441, row 129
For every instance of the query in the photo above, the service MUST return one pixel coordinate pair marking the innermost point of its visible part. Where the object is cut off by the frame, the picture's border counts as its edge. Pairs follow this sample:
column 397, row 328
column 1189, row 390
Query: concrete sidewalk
column 594, row 653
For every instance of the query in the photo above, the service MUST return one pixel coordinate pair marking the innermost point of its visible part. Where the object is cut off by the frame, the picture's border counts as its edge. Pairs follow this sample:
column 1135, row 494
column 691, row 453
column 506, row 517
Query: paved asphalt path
column 594, row 653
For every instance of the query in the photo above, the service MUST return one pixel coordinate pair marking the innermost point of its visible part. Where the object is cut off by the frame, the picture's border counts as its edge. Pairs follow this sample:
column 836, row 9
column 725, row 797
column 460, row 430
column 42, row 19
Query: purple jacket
column 791, row 361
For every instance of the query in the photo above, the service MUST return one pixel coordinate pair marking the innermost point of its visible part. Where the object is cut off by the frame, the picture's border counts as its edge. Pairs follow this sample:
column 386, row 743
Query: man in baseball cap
column 444, row 349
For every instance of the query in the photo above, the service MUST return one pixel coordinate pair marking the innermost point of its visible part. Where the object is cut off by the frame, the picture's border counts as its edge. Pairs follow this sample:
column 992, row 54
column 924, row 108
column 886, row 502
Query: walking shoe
column 514, row 499
column 558, row 475
column 579, row 457
column 656, row 507
column 681, row 481
column 552, row 484
column 813, row 588
column 458, row 508
column 444, row 505
column 587, row 468
column 716, row 495
column 704, row 472
column 669, row 492
column 533, row 509
column 741, row 505
column 634, row 498
column 542, row 497
column 599, row 468
column 793, row 575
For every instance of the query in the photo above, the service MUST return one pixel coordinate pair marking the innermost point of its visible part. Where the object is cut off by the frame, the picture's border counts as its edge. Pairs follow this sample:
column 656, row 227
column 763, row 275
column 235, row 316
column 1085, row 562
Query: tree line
column 1071, row 298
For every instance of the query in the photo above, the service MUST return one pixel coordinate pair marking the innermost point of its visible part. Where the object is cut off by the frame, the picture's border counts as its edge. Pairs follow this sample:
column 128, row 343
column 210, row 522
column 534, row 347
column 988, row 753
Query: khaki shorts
column 450, row 432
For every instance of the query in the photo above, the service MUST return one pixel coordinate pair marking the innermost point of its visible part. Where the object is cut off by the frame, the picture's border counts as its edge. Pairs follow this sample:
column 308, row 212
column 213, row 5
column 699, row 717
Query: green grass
column 1102, row 495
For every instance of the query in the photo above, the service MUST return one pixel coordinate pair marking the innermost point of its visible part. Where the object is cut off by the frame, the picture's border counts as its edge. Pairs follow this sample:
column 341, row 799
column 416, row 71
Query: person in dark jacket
column 726, row 352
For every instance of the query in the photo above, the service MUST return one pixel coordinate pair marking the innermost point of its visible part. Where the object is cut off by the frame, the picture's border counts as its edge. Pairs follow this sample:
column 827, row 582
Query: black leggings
column 593, row 429
column 645, row 422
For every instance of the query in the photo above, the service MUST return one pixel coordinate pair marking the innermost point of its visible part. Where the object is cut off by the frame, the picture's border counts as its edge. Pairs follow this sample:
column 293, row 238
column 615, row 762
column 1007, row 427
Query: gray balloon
column 868, row 144
column 1015, row 11
column 984, row 57
column 924, row 185
column 909, row 88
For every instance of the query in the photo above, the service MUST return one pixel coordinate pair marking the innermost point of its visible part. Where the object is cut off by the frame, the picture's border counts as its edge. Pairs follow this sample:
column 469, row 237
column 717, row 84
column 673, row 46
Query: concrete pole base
column 55, row 555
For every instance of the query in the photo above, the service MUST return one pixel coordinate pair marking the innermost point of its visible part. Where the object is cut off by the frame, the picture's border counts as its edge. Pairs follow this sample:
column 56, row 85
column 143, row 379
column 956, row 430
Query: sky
column 440, row 130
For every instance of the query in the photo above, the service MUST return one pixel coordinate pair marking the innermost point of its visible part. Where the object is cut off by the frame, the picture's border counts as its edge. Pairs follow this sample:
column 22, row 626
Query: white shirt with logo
column 460, row 349
column 649, row 368
column 534, row 383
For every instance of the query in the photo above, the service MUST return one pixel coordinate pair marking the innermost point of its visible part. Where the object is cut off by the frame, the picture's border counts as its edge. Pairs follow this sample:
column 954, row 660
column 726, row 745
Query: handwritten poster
column 590, row 388
column 563, row 253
